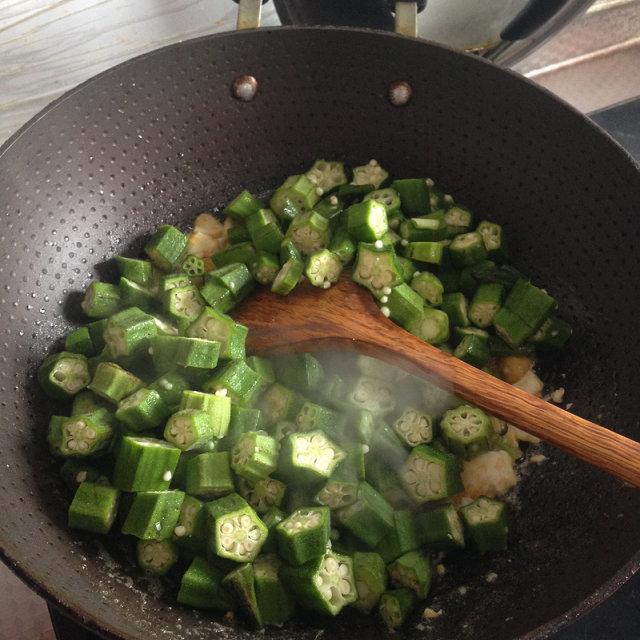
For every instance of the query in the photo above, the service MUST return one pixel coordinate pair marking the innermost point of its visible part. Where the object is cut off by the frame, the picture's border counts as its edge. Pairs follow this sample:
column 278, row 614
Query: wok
column 161, row 138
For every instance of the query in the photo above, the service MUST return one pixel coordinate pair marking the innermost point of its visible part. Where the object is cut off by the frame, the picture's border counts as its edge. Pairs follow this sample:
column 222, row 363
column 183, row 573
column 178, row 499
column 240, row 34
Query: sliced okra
column 142, row 410
column 343, row 246
column 96, row 331
column 62, row 375
column 367, row 221
column 429, row 475
column 309, row 231
column 79, row 436
column 395, row 606
column 330, row 207
column 429, row 287
column 264, row 369
column 324, row 584
column 170, row 386
column 282, row 429
column 288, row 277
column 376, row 268
column 193, row 266
column 242, row 419
column 414, row 195
column 240, row 381
column 485, row 304
column 135, row 270
column 213, row 325
column 209, row 475
column 441, row 529
column 370, row 173
column 240, row 582
column 485, row 521
column 412, row 570
column 74, row 472
column 242, row 206
column 404, row 304
column 352, row 192
column 289, row 251
column 144, row 464
column 299, row 190
column 243, row 252
column 274, row 603
column 338, row 493
column 423, row 230
column 530, row 303
column 113, row 383
column 323, row 268
column 201, row 587
column 190, row 533
column 101, row 300
column 553, row 333
column 217, row 407
column 254, row 455
column 304, row 535
column 372, row 394
column 459, row 219
column 406, row 268
column 183, row 304
column 191, row 353
column 314, row 416
column 301, row 371
column 327, row 174
column 265, row 268
column 456, row 306
column 414, row 427
column 217, row 296
column 362, row 424
column 467, row 249
column 79, row 341
column 494, row 240
column 236, row 277
column 309, row 457
column 279, row 403
column 473, row 349
column 156, row 557
column 370, row 517
column 429, row 252
column 370, row 575
column 235, row 531
column 153, row 514
column 263, row 494
column 173, row 281
column 133, row 294
column 390, row 198
column 129, row 331
column 166, row 247
column 271, row 518
column 189, row 429
column 402, row 539
column 94, row 507
column 511, row 328
column 264, row 231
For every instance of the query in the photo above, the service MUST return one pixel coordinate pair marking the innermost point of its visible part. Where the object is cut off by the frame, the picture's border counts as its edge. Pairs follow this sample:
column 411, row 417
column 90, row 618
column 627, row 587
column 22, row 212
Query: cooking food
column 300, row 480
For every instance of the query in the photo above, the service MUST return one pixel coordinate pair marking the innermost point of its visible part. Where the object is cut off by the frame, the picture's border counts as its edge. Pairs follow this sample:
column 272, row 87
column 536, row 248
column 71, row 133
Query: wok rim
column 103, row 627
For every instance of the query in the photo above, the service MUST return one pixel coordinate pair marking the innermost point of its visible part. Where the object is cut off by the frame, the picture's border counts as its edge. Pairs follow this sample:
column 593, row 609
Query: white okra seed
column 326, row 284
column 404, row 242
column 385, row 311
column 386, row 291
column 333, row 200
column 222, row 392
column 384, row 299
column 167, row 475
column 379, row 244
column 416, row 274
column 319, row 190
column 180, row 531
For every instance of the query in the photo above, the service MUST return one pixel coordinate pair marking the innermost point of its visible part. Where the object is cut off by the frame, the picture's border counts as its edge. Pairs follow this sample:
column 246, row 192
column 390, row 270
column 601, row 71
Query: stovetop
column 619, row 617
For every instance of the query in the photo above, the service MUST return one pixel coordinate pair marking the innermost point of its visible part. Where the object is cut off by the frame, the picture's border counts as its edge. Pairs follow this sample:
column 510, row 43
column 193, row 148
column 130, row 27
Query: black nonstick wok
column 162, row 138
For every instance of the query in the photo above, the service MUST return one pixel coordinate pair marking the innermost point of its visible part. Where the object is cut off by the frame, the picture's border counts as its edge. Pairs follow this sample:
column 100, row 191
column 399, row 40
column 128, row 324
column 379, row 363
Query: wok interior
column 160, row 139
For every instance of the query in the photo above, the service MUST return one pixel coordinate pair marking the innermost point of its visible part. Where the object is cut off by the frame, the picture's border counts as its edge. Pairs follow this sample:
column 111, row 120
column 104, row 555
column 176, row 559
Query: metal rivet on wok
column 399, row 93
column 245, row 88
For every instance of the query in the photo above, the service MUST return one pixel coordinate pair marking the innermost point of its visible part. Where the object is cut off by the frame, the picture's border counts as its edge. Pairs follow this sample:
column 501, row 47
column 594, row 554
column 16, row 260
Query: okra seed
column 430, row 182
column 404, row 242
column 333, row 200
column 379, row 244
column 373, row 163
column 221, row 393
column 167, row 475
column 319, row 190
column 386, row 291
column 384, row 299
column 386, row 312
column 326, row 284
column 81, row 476
column 180, row 531
column 158, row 526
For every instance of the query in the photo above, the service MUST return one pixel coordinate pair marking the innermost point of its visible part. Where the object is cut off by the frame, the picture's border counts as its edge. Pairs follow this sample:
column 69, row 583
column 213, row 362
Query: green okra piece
column 553, row 333
column 274, row 603
column 288, row 277
column 235, row 277
column 323, row 268
column 370, row 517
column 308, row 457
column 432, row 326
column 395, row 605
column 113, row 383
column 153, row 514
column 428, row 287
column 265, row 268
column 101, row 300
column 467, row 249
column 197, row 353
column 331, row 208
column 170, row 386
column 254, row 455
column 440, row 529
column 270, row 519
column 314, row 416
column 128, row 332
column 511, row 328
column 402, row 539
column 485, row 522
column 264, row 369
column 94, row 507
column 209, row 475
column 183, row 304
column 201, row 587
column 494, row 240
column 362, row 424
column 173, row 281
column 429, row 475
column 189, row 429
column 217, row 407
column 243, row 252
column 338, row 492
column 190, row 533
column 343, row 246
column 301, row 371
column 62, row 375
column 79, row 341
column 370, row 574
column 264, row 230
column 423, row 230
column 142, row 410
column 459, row 333
column 304, row 535
column 79, row 436
column 289, row 251
column 324, row 584
column 242, row 419
column 414, row 195
column 412, row 570
column 388, row 445
column 74, row 472
column 133, row 294
column 376, row 269
column 240, row 582
column 242, row 206
column 530, row 303
column 489, row 272
column 414, row 426
column 459, row 219
column 240, row 381
column 390, row 198
column 404, row 305
column 327, row 174
column 429, row 252
column 474, row 350
column 96, row 331
column 406, row 267
column 238, row 233
column 144, row 464
column 279, row 403
column 485, row 304
column 217, row 296
column 309, row 231
column 372, row 394
column 456, row 306
column 193, row 266
column 391, row 239
column 135, row 270
column 156, row 557
column 234, row 530
column 166, row 247
column 263, row 494
column 367, row 220
column 369, row 174
column 213, row 325
column 298, row 190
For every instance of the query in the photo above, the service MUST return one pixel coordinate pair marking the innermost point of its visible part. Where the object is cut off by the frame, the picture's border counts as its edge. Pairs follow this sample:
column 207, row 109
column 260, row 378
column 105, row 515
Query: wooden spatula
column 345, row 317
